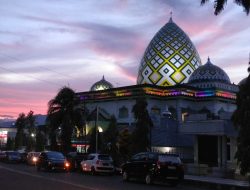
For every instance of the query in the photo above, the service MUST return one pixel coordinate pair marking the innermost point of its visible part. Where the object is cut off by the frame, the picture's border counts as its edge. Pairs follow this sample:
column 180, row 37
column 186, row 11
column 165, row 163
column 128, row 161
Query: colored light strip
column 159, row 92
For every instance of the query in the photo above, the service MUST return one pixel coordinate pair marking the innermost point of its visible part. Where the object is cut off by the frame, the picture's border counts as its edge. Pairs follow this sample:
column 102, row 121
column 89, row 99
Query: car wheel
column 173, row 183
column 92, row 172
column 148, row 179
column 125, row 176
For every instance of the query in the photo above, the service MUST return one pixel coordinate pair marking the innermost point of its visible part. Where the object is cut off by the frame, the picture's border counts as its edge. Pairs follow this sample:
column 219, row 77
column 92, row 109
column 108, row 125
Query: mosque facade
column 190, row 104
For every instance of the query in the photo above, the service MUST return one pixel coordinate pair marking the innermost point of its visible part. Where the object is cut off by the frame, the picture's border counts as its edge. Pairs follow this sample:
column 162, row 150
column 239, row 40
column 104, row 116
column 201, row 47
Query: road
column 22, row 176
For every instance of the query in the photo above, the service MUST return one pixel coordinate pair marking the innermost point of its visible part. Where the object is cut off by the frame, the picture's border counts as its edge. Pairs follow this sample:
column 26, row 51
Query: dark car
column 2, row 155
column 52, row 160
column 13, row 156
column 152, row 166
column 75, row 159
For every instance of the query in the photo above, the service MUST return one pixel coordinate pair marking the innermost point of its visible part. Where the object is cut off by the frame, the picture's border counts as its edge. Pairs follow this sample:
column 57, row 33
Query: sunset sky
column 48, row 44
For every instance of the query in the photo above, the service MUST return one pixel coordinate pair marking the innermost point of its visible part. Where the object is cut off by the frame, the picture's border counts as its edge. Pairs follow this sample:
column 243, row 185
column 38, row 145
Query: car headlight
column 34, row 159
column 67, row 164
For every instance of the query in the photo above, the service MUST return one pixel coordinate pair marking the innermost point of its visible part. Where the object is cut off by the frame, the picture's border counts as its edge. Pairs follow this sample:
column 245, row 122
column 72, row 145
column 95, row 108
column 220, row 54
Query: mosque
column 189, row 103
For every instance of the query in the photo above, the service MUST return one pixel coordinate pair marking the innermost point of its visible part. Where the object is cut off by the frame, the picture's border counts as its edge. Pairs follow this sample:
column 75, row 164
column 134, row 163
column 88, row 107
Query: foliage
column 110, row 139
column 220, row 4
column 31, row 128
column 92, row 141
column 241, row 121
column 20, row 125
column 124, row 144
column 61, row 118
column 40, row 141
column 10, row 144
column 141, row 136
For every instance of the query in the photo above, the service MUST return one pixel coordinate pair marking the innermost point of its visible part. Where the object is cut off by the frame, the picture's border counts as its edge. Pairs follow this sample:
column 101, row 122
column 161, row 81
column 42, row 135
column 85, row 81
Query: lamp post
column 96, row 130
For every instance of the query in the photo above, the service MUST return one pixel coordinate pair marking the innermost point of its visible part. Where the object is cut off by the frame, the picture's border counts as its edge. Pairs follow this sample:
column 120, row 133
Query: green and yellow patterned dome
column 169, row 59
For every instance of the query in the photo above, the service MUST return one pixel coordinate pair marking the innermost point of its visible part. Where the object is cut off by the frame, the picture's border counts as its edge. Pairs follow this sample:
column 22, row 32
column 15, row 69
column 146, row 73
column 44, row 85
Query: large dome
column 169, row 59
column 210, row 73
column 101, row 85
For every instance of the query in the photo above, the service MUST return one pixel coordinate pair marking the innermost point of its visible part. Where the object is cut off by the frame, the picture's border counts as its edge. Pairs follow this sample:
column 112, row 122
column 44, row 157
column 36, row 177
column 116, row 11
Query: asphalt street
column 22, row 176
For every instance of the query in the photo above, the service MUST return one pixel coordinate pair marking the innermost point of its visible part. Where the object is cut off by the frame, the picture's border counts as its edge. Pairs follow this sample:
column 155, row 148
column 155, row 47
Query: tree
column 110, row 139
column 92, row 141
column 124, row 144
column 241, row 121
column 61, row 116
column 220, row 4
column 30, row 125
column 141, row 136
column 10, row 144
column 40, row 141
column 20, row 125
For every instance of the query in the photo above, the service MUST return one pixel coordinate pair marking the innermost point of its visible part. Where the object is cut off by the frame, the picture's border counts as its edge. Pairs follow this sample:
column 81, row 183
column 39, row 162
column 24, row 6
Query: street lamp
column 96, row 130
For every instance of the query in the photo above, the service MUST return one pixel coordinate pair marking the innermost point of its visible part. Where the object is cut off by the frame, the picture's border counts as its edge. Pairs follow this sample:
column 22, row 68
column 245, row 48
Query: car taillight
column 160, row 164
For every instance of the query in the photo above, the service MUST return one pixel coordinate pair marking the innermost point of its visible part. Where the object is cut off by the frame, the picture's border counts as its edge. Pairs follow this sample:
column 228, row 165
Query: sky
column 48, row 44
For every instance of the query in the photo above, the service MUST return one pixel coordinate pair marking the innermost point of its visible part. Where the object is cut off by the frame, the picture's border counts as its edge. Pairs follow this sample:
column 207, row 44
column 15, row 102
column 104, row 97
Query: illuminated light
column 34, row 159
column 167, row 149
column 207, row 93
column 100, row 129
column 67, row 164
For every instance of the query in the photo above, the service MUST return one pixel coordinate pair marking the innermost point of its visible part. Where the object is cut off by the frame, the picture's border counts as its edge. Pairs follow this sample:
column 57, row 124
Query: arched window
column 155, row 110
column 123, row 112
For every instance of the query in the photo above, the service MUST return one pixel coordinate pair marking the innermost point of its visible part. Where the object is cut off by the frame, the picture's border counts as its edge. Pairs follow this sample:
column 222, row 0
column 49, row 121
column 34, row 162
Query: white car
column 98, row 163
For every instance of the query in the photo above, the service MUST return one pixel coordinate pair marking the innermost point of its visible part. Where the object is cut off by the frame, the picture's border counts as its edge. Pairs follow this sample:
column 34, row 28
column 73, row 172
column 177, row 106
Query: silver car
column 98, row 163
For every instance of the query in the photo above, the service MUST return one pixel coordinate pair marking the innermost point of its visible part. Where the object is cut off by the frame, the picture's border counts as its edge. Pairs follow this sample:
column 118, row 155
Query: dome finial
column 171, row 15
column 103, row 77
column 208, row 60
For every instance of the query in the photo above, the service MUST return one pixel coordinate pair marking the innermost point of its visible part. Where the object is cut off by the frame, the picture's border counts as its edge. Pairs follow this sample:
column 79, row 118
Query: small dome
column 169, row 59
column 101, row 85
column 209, row 73
column 243, row 81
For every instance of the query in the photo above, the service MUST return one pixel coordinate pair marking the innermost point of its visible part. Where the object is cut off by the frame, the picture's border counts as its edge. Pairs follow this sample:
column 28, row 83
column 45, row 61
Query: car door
column 142, row 165
column 89, row 162
column 43, row 160
column 135, row 167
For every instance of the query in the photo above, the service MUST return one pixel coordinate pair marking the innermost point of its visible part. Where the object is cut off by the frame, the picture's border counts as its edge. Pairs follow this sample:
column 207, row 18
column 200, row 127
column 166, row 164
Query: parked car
column 75, row 158
column 13, row 156
column 32, row 158
column 2, row 155
column 52, row 160
column 98, row 163
column 23, row 156
column 152, row 166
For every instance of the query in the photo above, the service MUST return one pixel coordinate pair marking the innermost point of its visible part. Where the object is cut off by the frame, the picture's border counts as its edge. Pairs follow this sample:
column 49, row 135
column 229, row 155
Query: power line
column 30, row 76
column 42, row 67
column 18, row 60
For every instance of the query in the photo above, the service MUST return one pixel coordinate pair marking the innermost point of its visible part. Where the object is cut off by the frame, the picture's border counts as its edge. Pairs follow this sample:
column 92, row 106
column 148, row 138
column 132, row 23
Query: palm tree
column 220, row 4
column 63, row 114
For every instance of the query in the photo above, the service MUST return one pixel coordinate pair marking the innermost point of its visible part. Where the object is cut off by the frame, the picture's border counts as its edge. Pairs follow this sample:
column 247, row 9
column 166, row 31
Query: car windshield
column 55, row 155
column 104, row 157
column 169, row 158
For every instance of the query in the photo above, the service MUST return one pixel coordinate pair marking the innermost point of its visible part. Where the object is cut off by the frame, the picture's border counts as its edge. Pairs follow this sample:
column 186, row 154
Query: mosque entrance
column 208, row 150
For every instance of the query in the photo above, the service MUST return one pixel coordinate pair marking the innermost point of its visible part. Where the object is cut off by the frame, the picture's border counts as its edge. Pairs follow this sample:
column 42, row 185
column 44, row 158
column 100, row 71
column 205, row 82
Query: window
column 123, row 112
column 228, row 149
column 155, row 110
